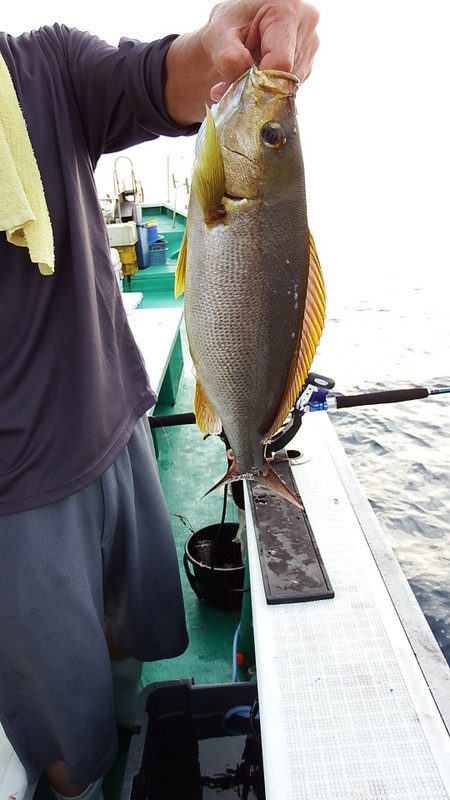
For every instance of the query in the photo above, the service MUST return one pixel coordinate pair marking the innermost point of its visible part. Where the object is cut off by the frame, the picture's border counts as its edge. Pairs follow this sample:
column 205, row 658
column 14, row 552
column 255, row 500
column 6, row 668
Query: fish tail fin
column 273, row 483
column 228, row 478
column 270, row 481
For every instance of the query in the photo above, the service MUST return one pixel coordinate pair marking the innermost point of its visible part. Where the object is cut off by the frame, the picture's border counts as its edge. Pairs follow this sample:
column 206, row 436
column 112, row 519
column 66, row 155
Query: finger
column 227, row 52
column 278, row 46
column 284, row 37
column 306, row 57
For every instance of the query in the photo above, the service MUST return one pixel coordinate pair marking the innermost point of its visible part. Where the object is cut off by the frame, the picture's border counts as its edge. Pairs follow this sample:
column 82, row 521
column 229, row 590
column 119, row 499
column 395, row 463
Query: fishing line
column 226, row 582
column 184, row 520
column 231, row 590
column 221, row 524
column 168, row 441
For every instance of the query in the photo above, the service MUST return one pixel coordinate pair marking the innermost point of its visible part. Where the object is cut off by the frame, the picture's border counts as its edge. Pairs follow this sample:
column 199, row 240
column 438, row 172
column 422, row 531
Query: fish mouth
column 268, row 80
column 271, row 80
column 268, row 73
column 277, row 73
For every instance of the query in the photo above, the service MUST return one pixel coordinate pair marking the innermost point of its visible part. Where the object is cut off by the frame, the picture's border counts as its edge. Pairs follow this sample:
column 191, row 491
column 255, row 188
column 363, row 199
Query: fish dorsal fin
column 207, row 419
column 313, row 322
column 208, row 177
column 180, row 274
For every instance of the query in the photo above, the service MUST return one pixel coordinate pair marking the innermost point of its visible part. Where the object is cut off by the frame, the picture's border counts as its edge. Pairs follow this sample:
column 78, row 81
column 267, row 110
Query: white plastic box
column 117, row 266
column 120, row 233
column 13, row 778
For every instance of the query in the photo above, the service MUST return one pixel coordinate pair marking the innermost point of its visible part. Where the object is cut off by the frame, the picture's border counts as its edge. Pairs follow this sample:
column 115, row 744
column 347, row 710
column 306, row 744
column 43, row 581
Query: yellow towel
column 23, row 208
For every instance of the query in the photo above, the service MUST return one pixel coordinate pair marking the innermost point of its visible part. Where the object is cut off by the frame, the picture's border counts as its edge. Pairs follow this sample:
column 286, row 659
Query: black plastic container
column 142, row 249
column 188, row 746
column 220, row 585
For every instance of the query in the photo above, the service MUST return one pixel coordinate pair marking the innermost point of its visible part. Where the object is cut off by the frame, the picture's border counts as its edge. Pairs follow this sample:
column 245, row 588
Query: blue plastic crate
column 157, row 252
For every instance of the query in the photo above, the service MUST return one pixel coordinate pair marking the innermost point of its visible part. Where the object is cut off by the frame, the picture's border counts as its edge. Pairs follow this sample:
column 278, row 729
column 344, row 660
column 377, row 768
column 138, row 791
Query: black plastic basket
column 220, row 585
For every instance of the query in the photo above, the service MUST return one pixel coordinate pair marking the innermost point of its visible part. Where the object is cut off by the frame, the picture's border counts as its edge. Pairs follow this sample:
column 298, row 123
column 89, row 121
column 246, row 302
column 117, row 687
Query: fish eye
column 273, row 135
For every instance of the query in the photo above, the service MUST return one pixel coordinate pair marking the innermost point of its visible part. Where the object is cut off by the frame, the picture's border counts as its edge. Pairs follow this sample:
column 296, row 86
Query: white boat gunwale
column 384, row 729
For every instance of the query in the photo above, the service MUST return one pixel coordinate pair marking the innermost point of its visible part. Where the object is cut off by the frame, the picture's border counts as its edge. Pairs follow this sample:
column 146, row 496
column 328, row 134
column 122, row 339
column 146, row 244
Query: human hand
column 280, row 34
column 275, row 34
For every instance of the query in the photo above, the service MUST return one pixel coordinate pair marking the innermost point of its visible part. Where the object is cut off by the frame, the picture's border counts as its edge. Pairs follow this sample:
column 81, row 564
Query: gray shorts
column 103, row 555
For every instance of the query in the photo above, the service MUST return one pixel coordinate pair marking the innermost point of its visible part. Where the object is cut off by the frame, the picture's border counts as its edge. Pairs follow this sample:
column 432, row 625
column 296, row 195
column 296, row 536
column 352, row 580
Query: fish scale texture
column 244, row 294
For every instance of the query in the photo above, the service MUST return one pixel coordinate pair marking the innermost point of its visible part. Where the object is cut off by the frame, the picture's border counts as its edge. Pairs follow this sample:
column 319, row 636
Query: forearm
column 189, row 78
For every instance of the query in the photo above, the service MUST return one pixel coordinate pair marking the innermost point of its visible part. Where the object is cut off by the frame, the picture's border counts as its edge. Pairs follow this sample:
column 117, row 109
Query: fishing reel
column 313, row 397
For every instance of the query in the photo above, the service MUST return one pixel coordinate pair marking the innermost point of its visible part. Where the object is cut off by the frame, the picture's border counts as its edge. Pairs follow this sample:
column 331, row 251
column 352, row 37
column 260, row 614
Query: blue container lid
column 152, row 232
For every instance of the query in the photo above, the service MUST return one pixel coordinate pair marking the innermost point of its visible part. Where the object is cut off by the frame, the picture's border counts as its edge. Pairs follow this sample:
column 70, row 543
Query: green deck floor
column 188, row 467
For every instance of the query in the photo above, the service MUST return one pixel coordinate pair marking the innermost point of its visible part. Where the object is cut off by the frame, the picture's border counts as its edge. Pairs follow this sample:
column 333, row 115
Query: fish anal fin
column 307, row 341
column 208, row 178
column 207, row 419
column 228, row 478
column 180, row 274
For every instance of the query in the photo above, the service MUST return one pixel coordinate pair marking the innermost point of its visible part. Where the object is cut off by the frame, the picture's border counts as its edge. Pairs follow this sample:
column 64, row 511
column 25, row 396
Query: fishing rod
column 316, row 396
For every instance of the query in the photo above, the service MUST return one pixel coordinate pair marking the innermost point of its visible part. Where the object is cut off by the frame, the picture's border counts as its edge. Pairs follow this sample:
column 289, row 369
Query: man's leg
column 126, row 674
column 62, row 786
column 57, row 773
column 58, row 777
column 56, row 699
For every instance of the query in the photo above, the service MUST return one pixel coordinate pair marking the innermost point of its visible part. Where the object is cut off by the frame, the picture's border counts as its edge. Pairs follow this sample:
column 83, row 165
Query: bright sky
column 373, row 119
column 110, row 20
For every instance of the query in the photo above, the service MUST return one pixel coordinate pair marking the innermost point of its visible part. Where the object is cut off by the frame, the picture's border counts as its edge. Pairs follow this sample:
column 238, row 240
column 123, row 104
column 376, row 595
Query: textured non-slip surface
column 345, row 709
column 13, row 779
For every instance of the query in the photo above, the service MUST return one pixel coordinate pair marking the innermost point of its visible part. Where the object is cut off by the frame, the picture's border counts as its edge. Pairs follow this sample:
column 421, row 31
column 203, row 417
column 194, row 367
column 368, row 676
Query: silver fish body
column 248, row 276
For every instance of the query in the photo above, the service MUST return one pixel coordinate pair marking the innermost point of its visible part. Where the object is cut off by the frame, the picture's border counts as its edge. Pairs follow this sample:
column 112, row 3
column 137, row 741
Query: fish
column 254, row 294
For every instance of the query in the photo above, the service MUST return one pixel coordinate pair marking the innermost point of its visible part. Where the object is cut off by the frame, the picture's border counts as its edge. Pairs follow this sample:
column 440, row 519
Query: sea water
column 401, row 452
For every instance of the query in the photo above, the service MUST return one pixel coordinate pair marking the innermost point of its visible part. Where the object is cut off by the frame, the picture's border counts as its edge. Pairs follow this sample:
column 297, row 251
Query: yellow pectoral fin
column 207, row 419
column 308, row 339
column 208, row 177
column 180, row 274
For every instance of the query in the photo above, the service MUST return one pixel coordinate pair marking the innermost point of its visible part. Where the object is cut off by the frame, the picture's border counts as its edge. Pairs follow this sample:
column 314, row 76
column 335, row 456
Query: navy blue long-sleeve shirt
column 72, row 381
